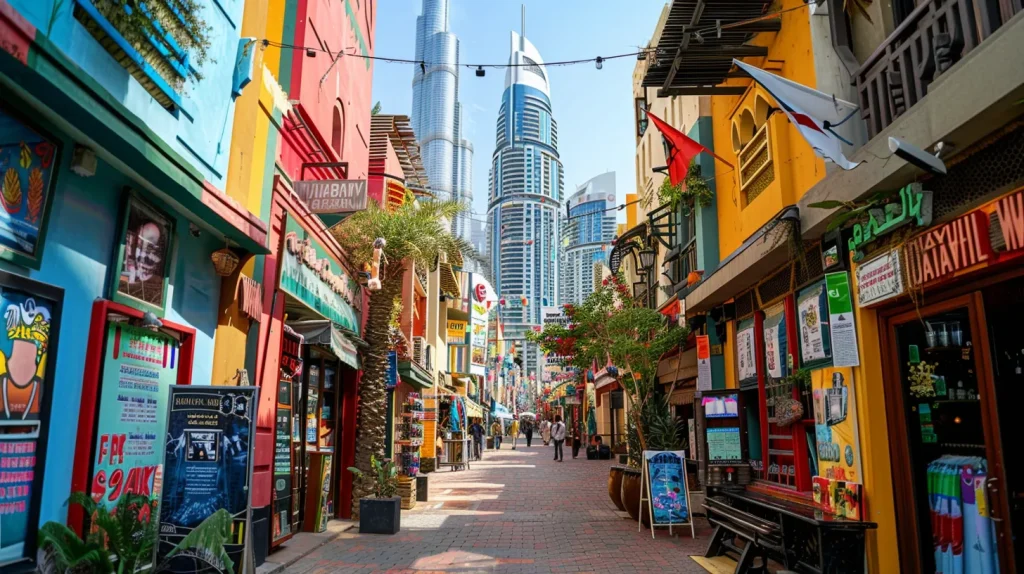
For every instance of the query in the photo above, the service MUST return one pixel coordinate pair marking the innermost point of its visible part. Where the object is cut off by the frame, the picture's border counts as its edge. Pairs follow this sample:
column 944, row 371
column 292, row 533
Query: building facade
column 587, row 234
column 523, row 216
column 437, row 116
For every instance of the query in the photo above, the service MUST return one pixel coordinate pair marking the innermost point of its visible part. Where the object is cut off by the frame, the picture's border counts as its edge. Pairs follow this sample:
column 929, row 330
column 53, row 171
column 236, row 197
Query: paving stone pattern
column 515, row 511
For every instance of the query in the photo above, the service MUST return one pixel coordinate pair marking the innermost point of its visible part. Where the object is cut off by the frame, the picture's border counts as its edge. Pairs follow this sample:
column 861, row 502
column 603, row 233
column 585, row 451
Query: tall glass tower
column 525, row 199
column 437, row 113
column 587, row 234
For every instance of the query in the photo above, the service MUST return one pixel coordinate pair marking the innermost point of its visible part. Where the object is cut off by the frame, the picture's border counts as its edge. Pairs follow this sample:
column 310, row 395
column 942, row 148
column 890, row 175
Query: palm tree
column 416, row 233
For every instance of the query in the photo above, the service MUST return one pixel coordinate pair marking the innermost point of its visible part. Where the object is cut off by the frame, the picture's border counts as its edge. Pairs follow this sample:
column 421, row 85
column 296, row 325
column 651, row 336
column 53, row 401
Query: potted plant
column 382, row 512
column 615, row 486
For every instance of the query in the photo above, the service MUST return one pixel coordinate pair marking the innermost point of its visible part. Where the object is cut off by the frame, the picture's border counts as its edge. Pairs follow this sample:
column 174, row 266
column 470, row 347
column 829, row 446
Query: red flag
column 679, row 150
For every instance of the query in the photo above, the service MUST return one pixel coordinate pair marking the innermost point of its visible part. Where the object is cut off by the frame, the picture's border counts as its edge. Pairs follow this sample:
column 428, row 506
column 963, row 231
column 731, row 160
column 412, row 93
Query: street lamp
column 647, row 257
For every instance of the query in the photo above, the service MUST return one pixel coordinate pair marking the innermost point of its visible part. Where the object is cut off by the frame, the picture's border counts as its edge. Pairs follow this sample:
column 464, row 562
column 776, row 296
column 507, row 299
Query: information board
column 724, row 445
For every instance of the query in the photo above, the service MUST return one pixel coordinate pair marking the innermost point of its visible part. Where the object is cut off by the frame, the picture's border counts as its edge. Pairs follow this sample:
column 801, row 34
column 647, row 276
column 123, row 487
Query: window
column 338, row 130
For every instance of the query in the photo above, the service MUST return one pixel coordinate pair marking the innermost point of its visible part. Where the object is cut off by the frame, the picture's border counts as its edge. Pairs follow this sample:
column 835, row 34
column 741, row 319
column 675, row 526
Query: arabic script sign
column 915, row 206
column 307, row 275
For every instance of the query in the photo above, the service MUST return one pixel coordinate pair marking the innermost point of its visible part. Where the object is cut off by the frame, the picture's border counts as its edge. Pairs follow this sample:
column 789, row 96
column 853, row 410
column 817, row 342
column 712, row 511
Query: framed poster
column 724, row 446
column 746, row 367
column 814, row 340
column 776, row 346
column 28, row 160
column 139, row 367
column 208, row 462
column 666, row 488
column 28, row 349
column 144, row 257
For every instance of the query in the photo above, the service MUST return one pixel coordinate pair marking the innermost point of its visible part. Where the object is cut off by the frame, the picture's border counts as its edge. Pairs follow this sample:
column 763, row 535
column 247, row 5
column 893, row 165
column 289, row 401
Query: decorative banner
column 208, row 462
column 879, row 279
column 334, row 196
column 704, row 382
column 745, row 353
column 811, row 310
column 835, row 424
column 27, row 160
column 139, row 367
column 667, row 488
column 391, row 376
column 772, row 353
column 841, row 322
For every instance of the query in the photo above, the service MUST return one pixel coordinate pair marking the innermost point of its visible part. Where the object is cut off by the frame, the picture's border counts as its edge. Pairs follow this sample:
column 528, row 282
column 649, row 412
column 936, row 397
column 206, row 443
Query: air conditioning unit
column 430, row 358
column 419, row 350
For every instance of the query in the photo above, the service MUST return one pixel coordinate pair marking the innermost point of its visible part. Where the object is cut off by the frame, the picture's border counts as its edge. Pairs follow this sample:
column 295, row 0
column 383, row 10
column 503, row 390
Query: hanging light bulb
column 480, row 71
column 599, row 63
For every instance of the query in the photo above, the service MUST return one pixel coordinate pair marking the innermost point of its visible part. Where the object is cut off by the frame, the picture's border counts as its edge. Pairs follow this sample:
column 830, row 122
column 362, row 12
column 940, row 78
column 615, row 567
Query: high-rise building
column 436, row 111
column 586, row 236
column 525, row 198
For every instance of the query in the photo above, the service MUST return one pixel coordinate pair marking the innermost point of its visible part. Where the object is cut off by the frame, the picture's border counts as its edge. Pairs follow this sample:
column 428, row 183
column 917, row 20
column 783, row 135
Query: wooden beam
column 742, row 51
column 677, row 60
column 770, row 25
column 708, row 91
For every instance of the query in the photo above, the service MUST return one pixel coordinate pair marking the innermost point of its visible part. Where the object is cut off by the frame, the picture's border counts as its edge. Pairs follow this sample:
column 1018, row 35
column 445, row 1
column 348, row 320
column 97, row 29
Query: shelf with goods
column 409, row 438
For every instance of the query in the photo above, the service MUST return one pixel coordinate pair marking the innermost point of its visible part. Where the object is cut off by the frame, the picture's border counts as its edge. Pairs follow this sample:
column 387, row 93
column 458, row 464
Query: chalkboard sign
column 283, row 473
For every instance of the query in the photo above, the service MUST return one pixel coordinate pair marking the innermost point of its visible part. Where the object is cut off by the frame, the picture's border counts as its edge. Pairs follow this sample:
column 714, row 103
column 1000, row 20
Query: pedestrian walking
column 477, row 430
column 577, row 441
column 558, row 435
column 496, row 434
column 528, row 431
column 545, row 431
column 513, row 429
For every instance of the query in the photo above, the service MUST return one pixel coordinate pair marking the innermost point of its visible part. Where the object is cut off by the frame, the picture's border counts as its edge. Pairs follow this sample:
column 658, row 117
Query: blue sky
column 593, row 107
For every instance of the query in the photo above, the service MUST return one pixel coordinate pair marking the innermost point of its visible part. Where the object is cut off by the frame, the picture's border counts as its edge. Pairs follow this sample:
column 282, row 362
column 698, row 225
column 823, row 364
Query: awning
column 605, row 377
column 684, row 395
column 473, row 408
column 499, row 411
column 329, row 336
column 679, row 367
column 415, row 375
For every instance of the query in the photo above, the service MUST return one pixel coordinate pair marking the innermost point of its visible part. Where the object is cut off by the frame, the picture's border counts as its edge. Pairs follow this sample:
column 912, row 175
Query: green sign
column 841, row 323
column 915, row 205
column 309, row 274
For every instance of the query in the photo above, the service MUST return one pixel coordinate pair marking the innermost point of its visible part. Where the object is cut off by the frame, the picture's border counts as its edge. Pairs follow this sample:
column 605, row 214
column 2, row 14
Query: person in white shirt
column 545, row 431
column 558, row 435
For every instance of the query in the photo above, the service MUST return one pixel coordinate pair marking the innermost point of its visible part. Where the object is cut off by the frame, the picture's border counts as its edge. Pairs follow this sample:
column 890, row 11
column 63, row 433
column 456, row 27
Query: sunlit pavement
column 515, row 511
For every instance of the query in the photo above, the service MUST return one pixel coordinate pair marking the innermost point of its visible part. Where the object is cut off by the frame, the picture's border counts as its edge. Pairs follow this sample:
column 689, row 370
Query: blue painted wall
column 202, row 133
column 79, row 251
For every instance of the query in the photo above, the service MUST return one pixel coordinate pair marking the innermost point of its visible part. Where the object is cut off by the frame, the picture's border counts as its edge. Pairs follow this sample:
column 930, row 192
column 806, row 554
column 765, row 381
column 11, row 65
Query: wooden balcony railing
column 757, row 168
column 936, row 35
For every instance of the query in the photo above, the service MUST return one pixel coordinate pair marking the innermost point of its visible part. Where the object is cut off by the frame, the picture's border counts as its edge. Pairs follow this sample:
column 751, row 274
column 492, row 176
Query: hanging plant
column 693, row 190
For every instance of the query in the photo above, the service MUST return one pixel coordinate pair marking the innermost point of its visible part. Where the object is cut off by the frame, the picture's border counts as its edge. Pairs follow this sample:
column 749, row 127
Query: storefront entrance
column 953, row 387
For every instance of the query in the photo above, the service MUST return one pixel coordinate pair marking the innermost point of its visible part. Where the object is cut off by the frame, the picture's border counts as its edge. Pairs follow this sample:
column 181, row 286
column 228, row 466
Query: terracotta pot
column 630, row 495
column 615, row 486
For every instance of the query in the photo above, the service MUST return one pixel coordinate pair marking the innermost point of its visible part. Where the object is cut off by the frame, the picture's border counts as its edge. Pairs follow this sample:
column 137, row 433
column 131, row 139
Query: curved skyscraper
column 525, row 198
column 436, row 111
column 586, row 235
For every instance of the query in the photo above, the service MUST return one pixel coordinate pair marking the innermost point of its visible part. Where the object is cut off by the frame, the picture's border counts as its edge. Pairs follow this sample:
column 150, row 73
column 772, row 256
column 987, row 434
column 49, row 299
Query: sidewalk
column 302, row 544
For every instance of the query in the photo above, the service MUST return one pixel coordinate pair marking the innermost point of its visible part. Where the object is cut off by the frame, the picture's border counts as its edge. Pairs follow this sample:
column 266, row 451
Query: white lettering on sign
column 304, row 250
column 333, row 195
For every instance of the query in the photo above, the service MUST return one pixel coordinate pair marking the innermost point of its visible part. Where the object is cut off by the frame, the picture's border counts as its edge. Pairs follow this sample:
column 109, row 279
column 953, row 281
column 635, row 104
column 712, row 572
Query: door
column 945, row 447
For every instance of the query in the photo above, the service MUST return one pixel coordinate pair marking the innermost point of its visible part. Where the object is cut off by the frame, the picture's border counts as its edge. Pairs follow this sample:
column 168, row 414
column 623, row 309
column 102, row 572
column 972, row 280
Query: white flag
column 814, row 113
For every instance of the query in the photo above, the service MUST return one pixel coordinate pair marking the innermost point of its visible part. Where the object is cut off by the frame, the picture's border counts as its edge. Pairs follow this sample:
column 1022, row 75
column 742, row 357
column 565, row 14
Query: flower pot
column 380, row 515
column 615, row 486
column 630, row 495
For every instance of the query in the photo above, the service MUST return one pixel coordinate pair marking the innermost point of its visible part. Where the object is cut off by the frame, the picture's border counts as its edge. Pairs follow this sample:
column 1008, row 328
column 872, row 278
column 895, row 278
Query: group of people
column 550, row 432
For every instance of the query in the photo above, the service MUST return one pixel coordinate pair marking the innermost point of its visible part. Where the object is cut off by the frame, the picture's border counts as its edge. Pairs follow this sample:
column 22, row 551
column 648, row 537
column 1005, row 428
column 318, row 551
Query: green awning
column 415, row 375
column 329, row 336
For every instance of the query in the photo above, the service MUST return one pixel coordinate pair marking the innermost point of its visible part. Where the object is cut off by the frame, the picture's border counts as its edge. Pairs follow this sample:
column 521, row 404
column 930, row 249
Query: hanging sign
column 457, row 331
column 310, row 275
column 139, row 368
column 841, row 322
column 879, row 279
column 333, row 196
column 915, row 206
column 208, row 462
column 745, row 353
column 704, row 382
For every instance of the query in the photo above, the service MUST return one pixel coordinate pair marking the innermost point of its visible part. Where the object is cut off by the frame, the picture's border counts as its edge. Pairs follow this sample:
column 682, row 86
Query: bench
column 759, row 538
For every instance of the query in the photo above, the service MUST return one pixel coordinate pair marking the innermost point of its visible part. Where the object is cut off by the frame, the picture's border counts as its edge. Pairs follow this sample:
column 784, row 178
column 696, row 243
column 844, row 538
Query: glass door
column 943, row 395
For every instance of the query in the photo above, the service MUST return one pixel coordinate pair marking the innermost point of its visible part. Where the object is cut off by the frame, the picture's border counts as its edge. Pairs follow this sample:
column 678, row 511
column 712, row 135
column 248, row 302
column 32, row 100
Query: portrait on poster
column 145, row 254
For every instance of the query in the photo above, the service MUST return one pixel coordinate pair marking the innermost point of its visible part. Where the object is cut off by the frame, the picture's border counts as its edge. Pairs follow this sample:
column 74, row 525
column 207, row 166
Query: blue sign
column 392, row 373
column 666, row 476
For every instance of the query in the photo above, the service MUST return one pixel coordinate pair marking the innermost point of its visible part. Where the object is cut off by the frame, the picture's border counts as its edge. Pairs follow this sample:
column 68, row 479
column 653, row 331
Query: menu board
column 724, row 445
column 282, row 473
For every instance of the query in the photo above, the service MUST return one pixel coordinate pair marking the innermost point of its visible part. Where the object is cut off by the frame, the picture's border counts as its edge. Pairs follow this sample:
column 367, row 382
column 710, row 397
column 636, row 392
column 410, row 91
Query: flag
column 814, row 113
column 679, row 150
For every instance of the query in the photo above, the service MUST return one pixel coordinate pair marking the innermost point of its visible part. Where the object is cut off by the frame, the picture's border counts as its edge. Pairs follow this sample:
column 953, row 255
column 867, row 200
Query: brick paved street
column 516, row 511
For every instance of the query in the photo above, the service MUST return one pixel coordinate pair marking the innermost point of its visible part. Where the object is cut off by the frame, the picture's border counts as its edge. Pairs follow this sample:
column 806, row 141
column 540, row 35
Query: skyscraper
column 525, row 198
column 436, row 111
column 586, row 236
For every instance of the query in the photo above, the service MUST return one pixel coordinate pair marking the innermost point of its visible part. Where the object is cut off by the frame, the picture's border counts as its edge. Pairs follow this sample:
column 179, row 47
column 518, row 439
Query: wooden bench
column 759, row 538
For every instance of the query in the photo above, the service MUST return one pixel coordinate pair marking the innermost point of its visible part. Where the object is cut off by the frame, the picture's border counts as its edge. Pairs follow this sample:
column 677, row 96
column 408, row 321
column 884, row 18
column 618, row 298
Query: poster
column 691, row 426
column 27, row 160
column 146, row 249
column 139, row 366
column 456, row 331
column 724, row 445
column 478, row 343
column 812, row 333
column 835, row 424
column 841, row 322
column 666, row 480
column 208, row 466
column 772, row 353
column 745, row 353
column 282, row 473
column 704, row 382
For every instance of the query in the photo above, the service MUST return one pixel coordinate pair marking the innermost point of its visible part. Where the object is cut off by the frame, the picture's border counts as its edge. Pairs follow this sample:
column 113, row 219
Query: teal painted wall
column 707, row 217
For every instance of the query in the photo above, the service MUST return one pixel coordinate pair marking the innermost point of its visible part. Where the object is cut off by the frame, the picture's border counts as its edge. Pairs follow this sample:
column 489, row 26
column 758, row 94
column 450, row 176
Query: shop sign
column 27, row 161
column 842, row 329
column 457, row 331
column 478, row 342
column 915, row 206
column 307, row 275
column 209, row 467
column 334, row 196
column 879, row 279
column 139, row 367
column 250, row 300
column 704, row 382
column 835, row 424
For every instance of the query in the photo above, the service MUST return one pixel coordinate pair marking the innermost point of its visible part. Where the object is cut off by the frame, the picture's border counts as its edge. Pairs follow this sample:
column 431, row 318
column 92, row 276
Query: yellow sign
column 456, row 331
column 835, row 424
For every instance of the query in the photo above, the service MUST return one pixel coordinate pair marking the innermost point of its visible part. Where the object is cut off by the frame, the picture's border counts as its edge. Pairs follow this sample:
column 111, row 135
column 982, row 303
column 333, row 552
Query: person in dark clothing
column 577, row 441
column 528, row 431
column 558, row 435
column 477, row 430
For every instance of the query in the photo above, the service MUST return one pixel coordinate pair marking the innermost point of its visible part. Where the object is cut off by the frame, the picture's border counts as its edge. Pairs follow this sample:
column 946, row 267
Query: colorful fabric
column 963, row 533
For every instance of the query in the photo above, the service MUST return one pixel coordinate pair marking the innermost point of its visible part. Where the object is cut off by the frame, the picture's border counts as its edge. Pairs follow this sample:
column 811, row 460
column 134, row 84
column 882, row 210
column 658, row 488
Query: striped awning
column 473, row 408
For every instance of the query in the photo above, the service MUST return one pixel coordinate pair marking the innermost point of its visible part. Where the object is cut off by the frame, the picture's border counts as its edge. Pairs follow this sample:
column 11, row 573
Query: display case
column 722, row 438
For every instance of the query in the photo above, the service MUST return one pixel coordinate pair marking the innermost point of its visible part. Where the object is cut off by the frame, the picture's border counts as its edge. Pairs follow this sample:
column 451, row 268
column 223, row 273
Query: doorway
column 943, row 410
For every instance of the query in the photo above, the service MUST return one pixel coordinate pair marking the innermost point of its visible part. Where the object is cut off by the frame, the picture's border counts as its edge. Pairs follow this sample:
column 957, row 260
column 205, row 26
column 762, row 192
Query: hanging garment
column 963, row 534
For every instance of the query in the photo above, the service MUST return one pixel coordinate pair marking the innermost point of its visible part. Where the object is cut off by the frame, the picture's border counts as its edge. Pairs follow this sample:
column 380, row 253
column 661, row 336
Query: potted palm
column 382, row 512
